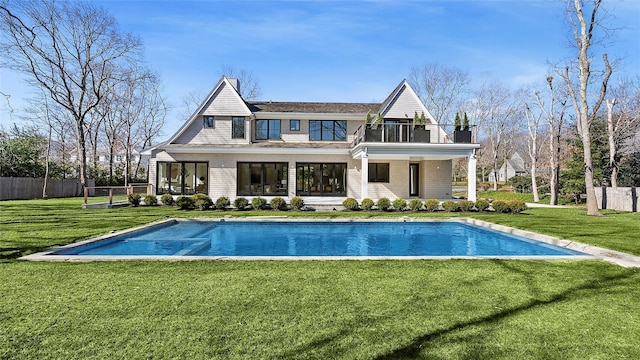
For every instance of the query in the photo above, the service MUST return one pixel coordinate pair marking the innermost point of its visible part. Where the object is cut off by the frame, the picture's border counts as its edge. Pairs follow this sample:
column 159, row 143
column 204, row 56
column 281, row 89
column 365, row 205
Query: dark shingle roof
column 313, row 107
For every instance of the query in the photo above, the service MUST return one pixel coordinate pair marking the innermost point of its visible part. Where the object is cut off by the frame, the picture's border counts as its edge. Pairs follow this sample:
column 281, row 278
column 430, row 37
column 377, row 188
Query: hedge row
column 384, row 204
column 204, row 202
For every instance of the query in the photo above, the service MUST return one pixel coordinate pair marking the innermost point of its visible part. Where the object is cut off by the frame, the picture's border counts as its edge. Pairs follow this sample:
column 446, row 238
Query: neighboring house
column 510, row 168
column 322, row 152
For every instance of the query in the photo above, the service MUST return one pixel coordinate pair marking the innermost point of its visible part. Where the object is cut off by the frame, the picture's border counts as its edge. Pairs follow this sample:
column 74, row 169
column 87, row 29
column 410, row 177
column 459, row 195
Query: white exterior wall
column 435, row 179
column 196, row 133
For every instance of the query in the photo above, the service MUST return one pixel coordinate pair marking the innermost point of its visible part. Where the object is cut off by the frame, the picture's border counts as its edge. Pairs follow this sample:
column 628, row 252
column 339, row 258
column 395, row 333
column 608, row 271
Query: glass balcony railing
column 407, row 133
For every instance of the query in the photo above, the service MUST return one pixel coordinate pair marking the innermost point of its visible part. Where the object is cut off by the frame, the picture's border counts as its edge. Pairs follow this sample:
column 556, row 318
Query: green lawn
column 313, row 310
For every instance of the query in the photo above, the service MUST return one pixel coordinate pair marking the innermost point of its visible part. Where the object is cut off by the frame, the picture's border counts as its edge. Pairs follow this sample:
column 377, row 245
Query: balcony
column 407, row 133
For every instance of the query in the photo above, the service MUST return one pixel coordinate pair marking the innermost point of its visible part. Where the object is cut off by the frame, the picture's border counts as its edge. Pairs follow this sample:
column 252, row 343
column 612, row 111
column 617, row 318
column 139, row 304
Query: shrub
column 134, row 199
column 202, row 201
column 367, row 204
column 222, row 203
column 167, row 199
column 185, row 202
column 297, row 202
column 240, row 203
column 450, row 206
column 517, row 206
column 278, row 203
column 151, row 200
column 350, row 204
column 258, row 203
column 500, row 206
column 482, row 204
column 432, row 204
column 465, row 205
column 384, row 204
column 399, row 204
column 415, row 204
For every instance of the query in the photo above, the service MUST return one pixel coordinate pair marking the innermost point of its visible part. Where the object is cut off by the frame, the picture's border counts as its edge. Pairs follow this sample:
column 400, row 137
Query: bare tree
column 533, row 125
column 66, row 49
column 250, row 88
column 586, row 105
column 623, row 120
column 497, row 112
column 440, row 88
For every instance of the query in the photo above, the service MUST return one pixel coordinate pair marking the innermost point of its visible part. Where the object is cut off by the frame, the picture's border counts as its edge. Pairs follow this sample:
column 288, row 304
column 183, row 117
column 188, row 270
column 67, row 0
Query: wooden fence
column 23, row 188
column 620, row 198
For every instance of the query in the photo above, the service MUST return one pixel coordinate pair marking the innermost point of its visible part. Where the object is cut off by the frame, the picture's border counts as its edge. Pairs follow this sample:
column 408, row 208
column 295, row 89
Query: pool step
column 195, row 248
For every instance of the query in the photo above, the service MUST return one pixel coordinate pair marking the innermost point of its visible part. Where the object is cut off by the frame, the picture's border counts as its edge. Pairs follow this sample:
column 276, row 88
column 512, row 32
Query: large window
column 379, row 172
column 237, row 127
column 328, row 130
column 267, row 129
column 268, row 179
column 321, row 179
column 182, row 178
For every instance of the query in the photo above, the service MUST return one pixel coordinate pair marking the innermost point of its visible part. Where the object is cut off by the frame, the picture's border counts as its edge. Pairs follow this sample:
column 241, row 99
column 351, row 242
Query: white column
column 364, row 183
column 472, row 178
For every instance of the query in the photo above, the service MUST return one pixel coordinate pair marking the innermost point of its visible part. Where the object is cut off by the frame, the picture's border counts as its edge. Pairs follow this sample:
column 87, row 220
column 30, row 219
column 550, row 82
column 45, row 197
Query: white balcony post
column 364, row 183
column 471, row 179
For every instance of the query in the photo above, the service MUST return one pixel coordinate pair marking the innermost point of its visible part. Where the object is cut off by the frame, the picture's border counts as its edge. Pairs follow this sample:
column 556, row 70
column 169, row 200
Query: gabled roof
column 403, row 93
column 313, row 107
column 231, row 103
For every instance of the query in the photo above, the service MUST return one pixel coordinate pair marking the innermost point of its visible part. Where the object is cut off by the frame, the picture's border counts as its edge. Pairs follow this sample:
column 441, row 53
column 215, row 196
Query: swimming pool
column 316, row 239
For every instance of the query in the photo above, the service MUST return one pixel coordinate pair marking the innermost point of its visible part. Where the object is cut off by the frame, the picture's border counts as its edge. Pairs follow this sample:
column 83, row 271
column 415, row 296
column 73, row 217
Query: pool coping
column 593, row 252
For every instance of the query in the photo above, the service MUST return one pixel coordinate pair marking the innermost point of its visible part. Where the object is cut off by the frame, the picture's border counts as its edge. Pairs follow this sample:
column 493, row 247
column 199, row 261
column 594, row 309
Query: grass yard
column 459, row 309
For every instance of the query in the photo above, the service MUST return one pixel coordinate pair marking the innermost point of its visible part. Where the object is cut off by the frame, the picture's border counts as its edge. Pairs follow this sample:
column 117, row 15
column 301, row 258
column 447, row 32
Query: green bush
column 465, row 205
column 482, row 204
column 415, row 204
column 185, row 203
column 432, row 204
column 297, row 202
column 240, row 203
column 350, row 204
column 258, row 203
column 384, row 204
column 399, row 204
column 134, row 199
column 517, row 206
column 222, row 203
column 167, row 199
column 450, row 206
column 151, row 200
column 367, row 204
column 278, row 203
column 500, row 206
column 202, row 201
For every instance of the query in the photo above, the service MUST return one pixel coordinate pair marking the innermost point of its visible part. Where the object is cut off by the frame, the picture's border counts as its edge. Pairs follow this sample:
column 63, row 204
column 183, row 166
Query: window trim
column 205, row 122
column 294, row 121
column 280, row 189
column 233, row 127
column 333, row 130
column 269, row 129
column 169, row 184
column 375, row 173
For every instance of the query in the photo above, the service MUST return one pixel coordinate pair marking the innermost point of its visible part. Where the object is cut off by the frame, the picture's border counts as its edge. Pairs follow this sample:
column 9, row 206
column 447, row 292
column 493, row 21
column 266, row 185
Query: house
column 322, row 152
column 510, row 168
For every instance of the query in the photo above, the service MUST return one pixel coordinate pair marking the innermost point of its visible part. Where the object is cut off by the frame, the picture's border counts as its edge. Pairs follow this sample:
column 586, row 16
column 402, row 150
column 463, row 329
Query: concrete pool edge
column 593, row 252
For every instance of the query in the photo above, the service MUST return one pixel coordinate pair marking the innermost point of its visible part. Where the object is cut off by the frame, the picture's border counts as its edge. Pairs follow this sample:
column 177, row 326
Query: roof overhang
column 309, row 116
column 253, row 150
column 412, row 151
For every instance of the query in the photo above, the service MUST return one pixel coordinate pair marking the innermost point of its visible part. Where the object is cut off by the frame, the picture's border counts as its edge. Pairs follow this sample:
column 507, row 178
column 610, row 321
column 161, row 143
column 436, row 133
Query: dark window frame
column 235, row 127
column 291, row 125
column 317, row 186
column 373, row 174
column 269, row 123
column 324, row 126
column 209, row 122
column 279, row 189
column 167, row 185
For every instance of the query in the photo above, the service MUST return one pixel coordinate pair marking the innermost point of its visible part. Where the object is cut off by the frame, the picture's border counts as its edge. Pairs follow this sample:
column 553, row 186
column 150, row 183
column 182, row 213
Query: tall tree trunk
column 46, row 165
column 82, row 156
column 612, row 143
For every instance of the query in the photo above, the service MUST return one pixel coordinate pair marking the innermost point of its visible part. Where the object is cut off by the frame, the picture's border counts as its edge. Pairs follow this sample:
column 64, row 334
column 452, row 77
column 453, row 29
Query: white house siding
column 398, row 185
column 225, row 101
column 435, row 179
column 404, row 106
column 196, row 133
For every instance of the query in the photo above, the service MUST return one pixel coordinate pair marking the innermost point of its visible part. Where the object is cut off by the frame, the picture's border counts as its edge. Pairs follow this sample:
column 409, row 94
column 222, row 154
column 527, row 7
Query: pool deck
column 593, row 252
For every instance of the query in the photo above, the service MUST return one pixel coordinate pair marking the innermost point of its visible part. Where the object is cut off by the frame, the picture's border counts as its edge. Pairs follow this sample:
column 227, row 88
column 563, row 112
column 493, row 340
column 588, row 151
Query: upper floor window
column 237, row 127
column 294, row 125
column 208, row 122
column 330, row 130
column 267, row 129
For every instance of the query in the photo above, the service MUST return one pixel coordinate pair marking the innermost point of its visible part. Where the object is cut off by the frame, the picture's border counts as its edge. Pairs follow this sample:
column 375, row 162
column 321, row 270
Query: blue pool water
column 248, row 238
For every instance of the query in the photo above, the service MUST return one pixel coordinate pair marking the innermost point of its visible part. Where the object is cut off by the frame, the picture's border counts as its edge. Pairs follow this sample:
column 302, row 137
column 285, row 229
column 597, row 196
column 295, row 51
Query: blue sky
column 350, row 51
